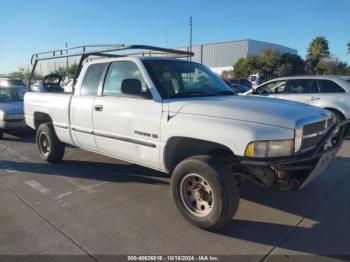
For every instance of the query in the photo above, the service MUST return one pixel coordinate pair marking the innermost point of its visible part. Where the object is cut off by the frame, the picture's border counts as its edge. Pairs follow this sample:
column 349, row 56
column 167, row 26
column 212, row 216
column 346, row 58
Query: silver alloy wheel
column 196, row 195
column 44, row 144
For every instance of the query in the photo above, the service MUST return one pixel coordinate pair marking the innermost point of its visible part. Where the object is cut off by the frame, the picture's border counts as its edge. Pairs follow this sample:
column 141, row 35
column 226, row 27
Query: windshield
column 180, row 79
column 9, row 95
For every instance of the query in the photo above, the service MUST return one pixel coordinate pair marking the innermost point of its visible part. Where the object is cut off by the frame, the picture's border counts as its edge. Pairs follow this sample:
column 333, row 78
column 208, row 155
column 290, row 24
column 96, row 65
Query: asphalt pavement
column 93, row 205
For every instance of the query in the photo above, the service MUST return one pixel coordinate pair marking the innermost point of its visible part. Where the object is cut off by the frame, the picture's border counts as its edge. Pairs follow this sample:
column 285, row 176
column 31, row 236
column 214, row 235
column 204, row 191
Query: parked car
column 178, row 117
column 256, row 80
column 17, row 83
column 50, row 83
column 11, row 110
column 328, row 92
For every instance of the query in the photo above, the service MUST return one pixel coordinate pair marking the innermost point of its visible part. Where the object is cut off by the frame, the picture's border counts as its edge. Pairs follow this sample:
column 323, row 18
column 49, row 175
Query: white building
column 222, row 56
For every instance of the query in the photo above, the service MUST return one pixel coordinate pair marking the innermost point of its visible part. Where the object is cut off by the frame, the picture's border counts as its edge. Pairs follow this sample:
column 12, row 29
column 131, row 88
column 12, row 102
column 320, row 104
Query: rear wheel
column 1, row 134
column 50, row 147
column 204, row 192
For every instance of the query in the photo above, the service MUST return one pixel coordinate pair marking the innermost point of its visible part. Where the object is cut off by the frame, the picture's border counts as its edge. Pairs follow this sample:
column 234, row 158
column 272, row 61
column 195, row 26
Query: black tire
column 1, row 134
column 224, row 187
column 54, row 151
column 338, row 116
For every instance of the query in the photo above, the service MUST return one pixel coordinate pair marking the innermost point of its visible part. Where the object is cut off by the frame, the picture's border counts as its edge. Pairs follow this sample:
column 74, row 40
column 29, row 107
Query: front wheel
column 204, row 192
column 1, row 134
column 50, row 147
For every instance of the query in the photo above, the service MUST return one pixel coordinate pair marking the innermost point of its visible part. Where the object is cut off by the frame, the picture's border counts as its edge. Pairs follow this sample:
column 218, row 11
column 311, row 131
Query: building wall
column 255, row 47
column 226, row 54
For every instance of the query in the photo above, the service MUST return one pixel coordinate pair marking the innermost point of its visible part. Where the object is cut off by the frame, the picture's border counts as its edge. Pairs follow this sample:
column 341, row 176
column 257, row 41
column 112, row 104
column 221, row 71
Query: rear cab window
column 329, row 86
column 92, row 79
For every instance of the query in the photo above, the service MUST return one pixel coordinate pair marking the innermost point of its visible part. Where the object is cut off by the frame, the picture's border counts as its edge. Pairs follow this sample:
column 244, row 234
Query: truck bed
column 53, row 105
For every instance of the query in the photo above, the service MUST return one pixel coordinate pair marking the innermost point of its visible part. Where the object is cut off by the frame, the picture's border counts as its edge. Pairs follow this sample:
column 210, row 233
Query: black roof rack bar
column 62, row 53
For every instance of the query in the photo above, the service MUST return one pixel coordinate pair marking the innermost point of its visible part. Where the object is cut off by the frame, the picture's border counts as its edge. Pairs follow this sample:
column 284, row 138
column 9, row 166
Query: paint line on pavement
column 38, row 187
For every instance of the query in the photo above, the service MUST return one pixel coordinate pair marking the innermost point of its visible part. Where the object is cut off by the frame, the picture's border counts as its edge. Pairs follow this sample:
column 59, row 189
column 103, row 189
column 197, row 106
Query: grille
column 314, row 128
column 314, row 132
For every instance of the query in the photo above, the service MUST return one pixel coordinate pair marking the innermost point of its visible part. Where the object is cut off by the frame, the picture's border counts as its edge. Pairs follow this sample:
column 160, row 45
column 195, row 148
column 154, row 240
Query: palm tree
column 318, row 49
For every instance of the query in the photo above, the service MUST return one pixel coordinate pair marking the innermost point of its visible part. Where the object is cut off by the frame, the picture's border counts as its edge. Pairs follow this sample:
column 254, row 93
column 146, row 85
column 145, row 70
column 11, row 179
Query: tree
column 227, row 74
column 67, row 71
column 268, row 61
column 21, row 73
column 317, row 50
column 246, row 66
column 332, row 66
column 290, row 65
column 349, row 48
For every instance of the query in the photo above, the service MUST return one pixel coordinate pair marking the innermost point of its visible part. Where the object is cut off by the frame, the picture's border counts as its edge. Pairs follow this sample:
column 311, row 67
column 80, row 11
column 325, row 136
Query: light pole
column 67, row 56
column 190, row 24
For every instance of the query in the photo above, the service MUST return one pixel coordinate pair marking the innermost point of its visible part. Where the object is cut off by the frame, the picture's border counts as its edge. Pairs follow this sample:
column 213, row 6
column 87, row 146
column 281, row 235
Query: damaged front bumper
column 294, row 172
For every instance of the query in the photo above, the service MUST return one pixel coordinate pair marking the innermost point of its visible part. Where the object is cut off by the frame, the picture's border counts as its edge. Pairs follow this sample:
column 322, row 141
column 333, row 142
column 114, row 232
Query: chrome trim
column 326, row 115
column 125, row 139
column 59, row 125
column 316, row 134
column 80, row 130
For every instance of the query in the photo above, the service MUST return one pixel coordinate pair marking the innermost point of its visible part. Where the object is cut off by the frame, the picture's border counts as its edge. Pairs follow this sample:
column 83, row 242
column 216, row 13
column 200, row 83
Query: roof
column 330, row 77
column 344, row 81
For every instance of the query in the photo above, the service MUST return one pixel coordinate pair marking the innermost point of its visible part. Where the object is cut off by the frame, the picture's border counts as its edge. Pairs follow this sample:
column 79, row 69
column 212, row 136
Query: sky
column 30, row 26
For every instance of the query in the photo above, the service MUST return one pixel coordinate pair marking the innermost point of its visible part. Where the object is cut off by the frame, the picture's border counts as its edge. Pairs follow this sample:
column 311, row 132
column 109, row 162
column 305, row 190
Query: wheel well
column 180, row 148
column 335, row 111
column 40, row 118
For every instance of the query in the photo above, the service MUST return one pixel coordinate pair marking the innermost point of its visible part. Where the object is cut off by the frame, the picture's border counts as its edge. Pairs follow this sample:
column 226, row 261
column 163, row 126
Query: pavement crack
column 296, row 227
column 47, row 220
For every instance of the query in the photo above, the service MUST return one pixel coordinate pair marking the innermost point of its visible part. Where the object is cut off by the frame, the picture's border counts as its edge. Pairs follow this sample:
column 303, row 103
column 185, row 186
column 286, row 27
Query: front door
column 127, row 126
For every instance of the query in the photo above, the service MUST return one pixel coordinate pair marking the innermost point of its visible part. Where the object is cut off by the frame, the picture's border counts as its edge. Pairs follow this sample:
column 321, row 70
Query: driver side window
column 119, row 71
column 275, row 87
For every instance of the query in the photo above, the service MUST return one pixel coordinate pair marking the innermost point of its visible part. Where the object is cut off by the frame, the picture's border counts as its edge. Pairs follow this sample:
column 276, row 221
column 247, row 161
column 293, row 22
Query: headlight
column 265, row 149
column 298, row 139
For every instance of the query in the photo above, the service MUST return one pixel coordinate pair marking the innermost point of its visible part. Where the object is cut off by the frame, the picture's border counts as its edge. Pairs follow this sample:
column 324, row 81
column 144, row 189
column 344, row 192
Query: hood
column 12, row 107
column 266, row 111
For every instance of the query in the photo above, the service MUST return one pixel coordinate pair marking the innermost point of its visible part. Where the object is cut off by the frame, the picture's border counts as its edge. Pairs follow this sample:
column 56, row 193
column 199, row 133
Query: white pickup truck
column 178, row 117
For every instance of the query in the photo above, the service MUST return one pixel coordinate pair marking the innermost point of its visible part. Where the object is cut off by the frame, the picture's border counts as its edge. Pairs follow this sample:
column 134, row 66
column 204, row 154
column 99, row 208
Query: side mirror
column 132, row 87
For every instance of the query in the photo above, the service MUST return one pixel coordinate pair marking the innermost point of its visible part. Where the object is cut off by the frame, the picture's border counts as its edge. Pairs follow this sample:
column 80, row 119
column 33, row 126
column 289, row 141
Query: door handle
column 98, row 108
column 314, row 98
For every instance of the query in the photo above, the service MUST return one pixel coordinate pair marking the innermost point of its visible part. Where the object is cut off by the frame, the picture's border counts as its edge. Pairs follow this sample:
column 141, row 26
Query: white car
column 178, row 117
column 11, row 110
column 328, row 92
column 15, row 83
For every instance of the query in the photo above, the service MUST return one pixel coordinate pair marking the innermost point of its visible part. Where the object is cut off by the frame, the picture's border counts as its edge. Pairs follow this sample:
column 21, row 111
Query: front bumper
column 12, row 124
column 297, row 171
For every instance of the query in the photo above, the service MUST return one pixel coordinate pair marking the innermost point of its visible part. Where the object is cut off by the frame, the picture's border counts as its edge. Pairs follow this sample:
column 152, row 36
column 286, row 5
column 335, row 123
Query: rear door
column 82, row 107
column 331, row 95
column 303, row 91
